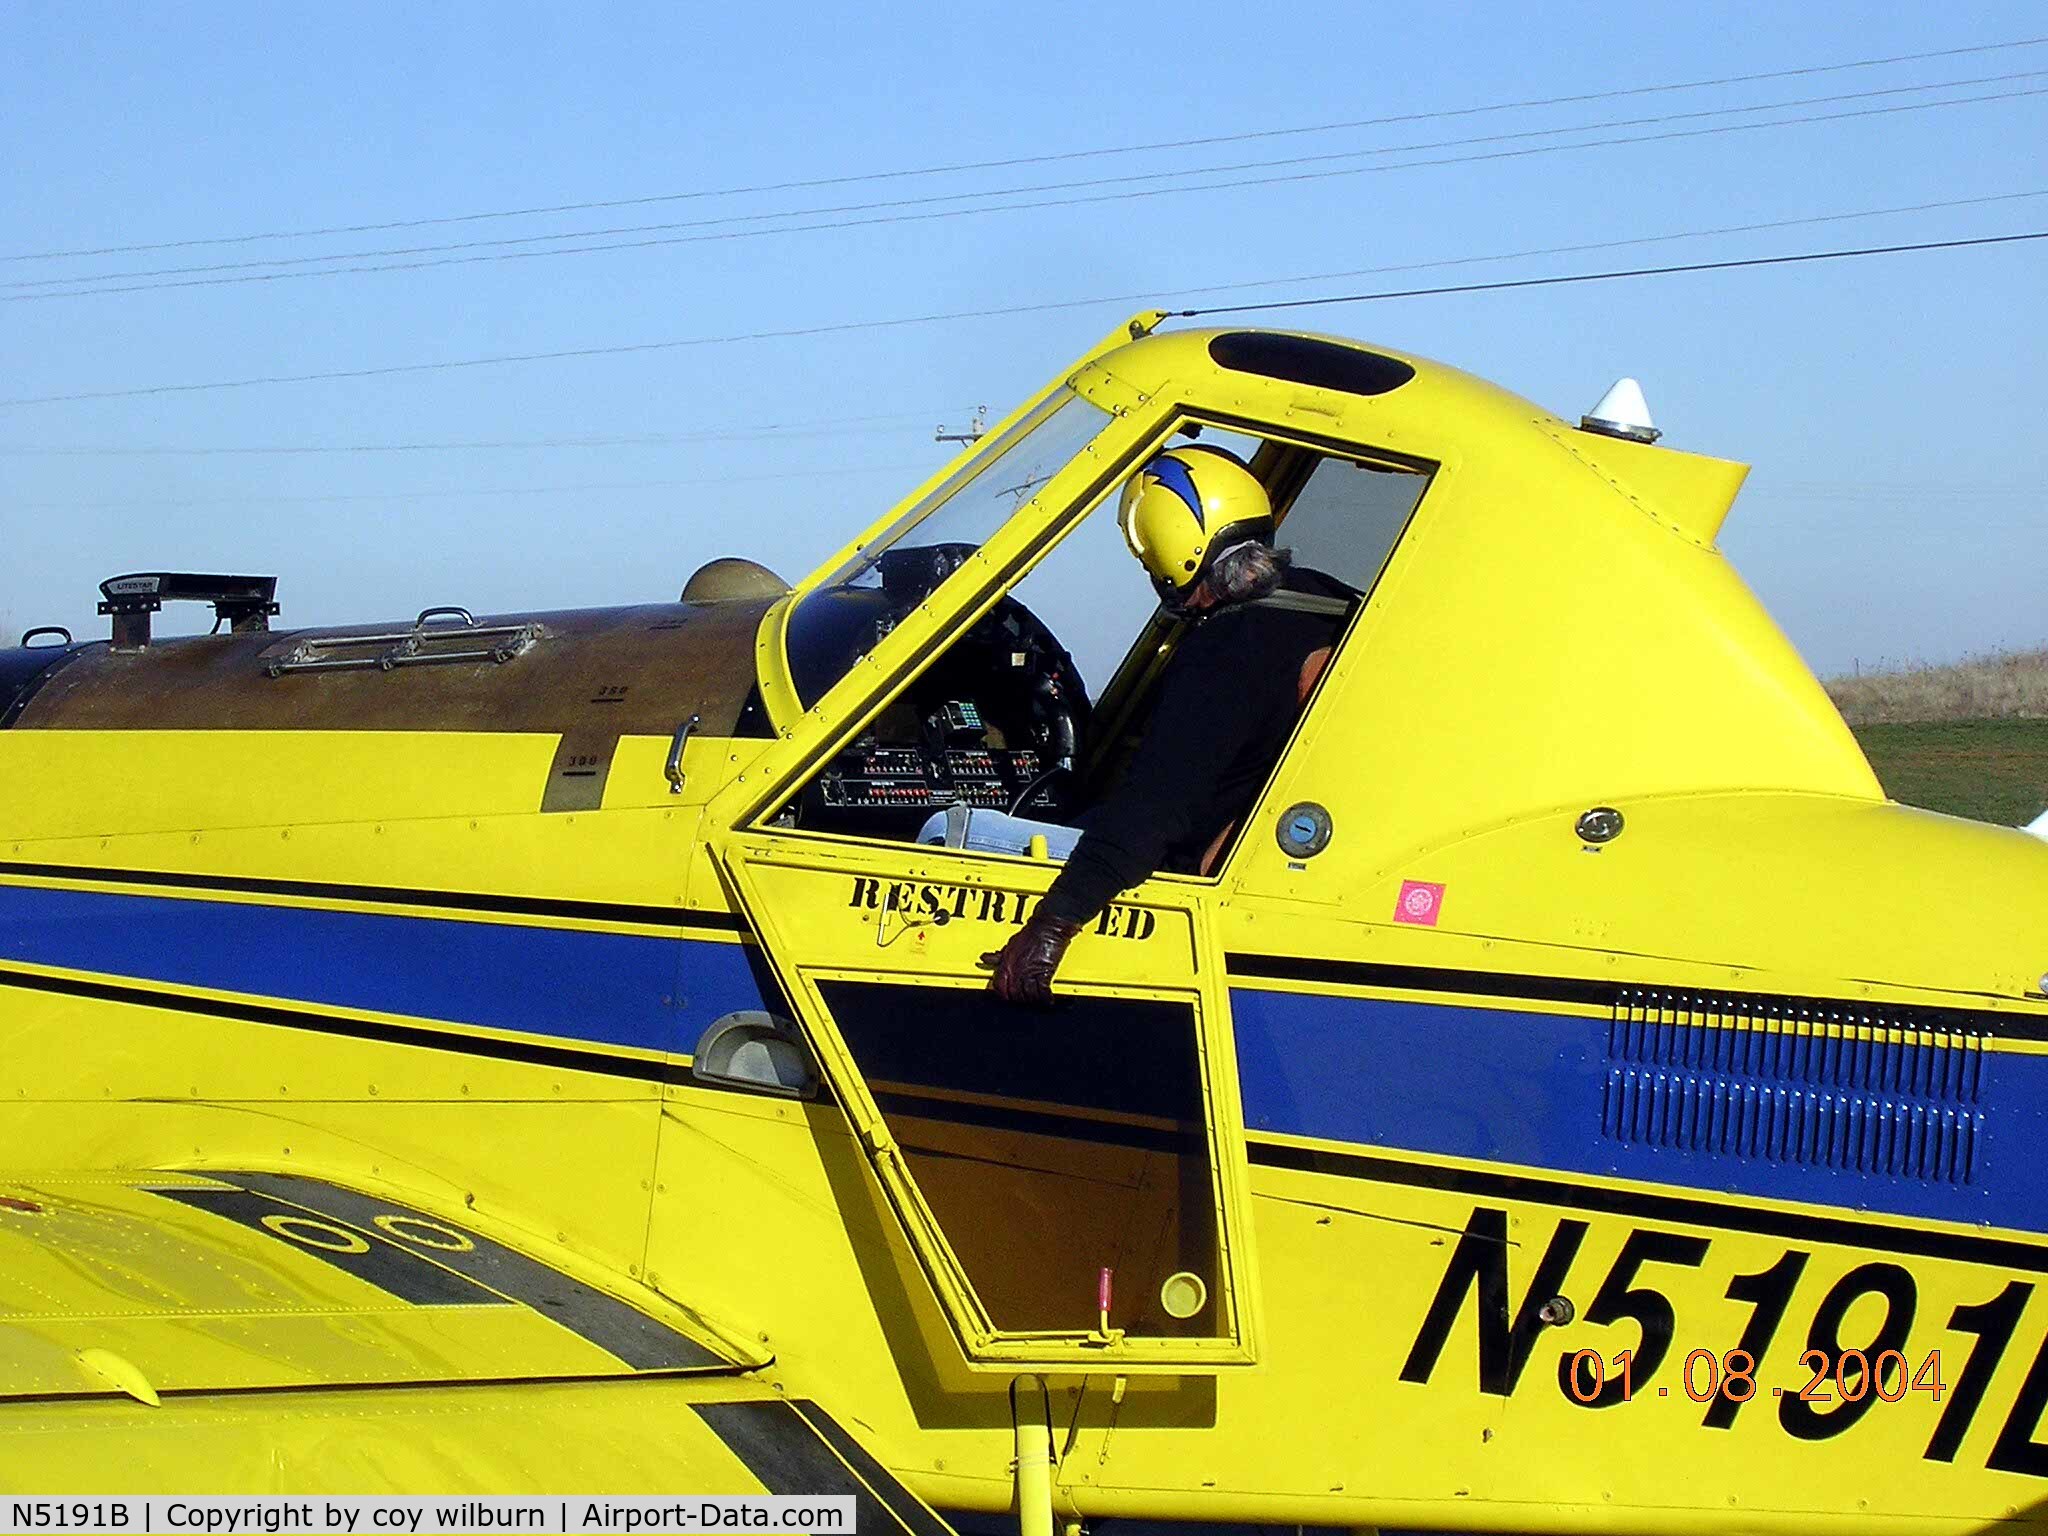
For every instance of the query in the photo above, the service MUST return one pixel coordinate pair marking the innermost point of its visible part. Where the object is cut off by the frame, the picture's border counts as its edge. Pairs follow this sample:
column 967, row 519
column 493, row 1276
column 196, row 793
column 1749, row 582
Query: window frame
column 1324, row 446
column 1172, row 419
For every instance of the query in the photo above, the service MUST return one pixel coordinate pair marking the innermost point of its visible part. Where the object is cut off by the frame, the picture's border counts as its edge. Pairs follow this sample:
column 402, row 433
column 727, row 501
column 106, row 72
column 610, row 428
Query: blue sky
column 1891, row 406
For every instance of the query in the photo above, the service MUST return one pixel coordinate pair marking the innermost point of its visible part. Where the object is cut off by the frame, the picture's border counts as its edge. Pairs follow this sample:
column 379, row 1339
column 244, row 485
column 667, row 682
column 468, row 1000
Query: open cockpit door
column 1071, row 1180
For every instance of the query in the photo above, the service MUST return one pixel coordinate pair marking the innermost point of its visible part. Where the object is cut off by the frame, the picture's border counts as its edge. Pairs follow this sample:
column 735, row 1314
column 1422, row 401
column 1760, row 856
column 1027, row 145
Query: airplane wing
column 236, row 1331
column 247, row 1281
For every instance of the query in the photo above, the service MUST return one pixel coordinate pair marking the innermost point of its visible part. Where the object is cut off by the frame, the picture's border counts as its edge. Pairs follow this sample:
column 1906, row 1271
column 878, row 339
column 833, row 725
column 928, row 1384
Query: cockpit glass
column 937, row 533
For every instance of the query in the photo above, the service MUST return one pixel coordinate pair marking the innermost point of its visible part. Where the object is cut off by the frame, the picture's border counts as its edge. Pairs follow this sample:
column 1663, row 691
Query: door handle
column 675, row 753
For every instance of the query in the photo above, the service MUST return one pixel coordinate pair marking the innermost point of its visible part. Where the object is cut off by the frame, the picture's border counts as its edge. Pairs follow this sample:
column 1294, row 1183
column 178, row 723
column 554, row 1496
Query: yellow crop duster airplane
column 539, row 1053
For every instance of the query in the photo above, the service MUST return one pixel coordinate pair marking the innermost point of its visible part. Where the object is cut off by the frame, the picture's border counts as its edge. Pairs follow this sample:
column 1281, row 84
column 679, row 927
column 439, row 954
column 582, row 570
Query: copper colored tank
column 589, row 675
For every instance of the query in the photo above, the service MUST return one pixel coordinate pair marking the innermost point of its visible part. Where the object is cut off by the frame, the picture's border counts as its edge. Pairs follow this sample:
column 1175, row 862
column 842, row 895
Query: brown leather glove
column 1024, row 966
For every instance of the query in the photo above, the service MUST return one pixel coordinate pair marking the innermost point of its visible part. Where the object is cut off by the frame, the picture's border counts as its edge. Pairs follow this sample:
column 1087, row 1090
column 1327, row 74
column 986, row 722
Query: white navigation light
column 1622, row 412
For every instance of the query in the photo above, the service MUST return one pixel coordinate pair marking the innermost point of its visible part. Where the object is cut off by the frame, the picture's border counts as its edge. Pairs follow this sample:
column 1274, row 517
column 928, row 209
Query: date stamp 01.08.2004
column 1731, row 1377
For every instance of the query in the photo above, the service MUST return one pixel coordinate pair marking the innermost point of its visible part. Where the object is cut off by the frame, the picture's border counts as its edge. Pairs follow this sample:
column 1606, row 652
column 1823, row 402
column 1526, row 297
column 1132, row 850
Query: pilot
column 1202, row 526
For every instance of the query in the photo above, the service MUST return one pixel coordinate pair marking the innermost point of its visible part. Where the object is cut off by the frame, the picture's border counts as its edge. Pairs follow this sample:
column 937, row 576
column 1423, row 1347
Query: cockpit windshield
column 932, row 538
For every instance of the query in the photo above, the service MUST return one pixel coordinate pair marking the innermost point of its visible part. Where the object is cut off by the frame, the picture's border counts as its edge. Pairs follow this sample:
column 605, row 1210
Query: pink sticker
column 1421, row 901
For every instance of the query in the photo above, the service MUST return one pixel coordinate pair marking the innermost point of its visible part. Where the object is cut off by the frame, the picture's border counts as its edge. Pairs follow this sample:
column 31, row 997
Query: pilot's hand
column 1024, row 966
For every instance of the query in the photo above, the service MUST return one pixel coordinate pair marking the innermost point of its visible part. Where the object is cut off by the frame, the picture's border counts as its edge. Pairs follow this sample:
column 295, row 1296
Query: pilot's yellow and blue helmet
column 1185, row 506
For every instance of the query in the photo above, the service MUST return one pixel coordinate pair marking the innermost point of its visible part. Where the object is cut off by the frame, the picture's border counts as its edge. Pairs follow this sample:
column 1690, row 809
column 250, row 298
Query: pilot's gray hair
column 1246, row 572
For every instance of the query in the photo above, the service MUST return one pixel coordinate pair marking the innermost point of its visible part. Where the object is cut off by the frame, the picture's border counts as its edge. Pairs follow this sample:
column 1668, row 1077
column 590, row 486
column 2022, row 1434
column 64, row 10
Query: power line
column 1585, row 247
column 1013, row 207
column 1899, row 495
column 1903, row 487
column 1889, row 501
column 897, row 322
column 835, row 426
column 1803, row 490
column 1602, row 277
column 794, row 431
column 1015, row 161
column 53, row 283
column 1150, row 296
column 463, row 492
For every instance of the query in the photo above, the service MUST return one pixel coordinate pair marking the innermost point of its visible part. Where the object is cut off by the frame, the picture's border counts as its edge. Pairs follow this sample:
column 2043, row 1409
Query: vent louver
column 1847, row 1089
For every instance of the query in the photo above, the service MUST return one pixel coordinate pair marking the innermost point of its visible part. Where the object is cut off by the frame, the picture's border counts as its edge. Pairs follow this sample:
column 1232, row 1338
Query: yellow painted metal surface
column 540, row 1439
column 85, row 784
column 368, row 961
column 660, row 1436
column 177, row 1283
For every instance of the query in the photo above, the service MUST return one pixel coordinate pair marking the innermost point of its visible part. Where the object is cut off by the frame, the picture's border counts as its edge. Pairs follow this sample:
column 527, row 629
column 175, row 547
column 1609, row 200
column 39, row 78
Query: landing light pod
column 1622, row 412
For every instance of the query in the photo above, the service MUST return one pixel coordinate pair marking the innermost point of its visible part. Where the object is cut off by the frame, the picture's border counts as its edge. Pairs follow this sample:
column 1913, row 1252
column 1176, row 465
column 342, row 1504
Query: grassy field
column 1991, row 770
column 1970, row 738
column 2009, row 686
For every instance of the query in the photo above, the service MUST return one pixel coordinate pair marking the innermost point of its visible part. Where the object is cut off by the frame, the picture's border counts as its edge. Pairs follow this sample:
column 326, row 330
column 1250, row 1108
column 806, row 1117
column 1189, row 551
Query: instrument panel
column 926, row 780
column 996, row 722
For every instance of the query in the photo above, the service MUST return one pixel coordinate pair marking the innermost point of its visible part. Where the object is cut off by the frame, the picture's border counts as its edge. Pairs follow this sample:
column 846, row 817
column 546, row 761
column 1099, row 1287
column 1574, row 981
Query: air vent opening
column 1307, row 360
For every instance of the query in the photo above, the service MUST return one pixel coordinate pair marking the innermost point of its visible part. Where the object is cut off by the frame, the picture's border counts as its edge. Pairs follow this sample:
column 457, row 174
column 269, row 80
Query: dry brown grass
column 2013, row 686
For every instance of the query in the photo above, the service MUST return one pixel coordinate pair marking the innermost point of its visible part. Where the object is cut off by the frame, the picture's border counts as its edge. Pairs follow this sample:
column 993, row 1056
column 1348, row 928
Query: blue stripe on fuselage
column 646, row 992
column 1489, row 1084
column 1504, row 1086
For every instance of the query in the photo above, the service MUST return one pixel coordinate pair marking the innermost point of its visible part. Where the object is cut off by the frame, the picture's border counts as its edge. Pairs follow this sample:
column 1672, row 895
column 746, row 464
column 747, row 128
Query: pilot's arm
column 1213, row 704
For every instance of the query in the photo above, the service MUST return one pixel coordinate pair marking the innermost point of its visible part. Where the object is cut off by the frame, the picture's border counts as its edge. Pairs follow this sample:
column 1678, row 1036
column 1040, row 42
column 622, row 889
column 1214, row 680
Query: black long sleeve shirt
column 1227, row 703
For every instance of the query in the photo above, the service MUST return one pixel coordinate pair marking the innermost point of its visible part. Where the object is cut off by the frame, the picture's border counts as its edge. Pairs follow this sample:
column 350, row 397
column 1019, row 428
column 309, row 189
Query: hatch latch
column 432, row 640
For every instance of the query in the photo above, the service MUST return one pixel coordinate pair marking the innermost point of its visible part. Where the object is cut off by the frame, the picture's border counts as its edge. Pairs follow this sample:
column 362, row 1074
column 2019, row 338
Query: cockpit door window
column 1071, row 1182
column 1348, row 515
